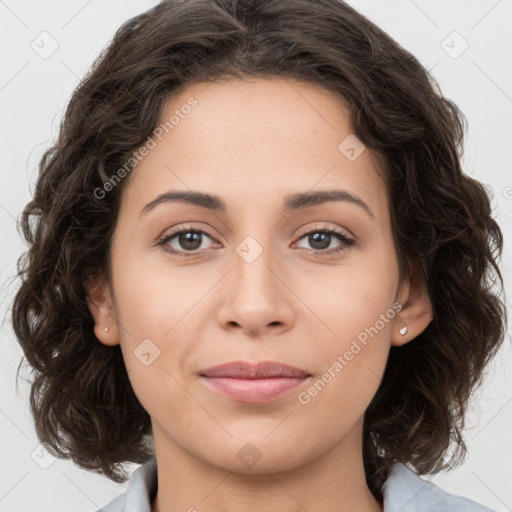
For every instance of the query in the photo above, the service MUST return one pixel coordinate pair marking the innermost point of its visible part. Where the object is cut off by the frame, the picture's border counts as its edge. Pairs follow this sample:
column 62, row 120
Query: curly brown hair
column 81, row 398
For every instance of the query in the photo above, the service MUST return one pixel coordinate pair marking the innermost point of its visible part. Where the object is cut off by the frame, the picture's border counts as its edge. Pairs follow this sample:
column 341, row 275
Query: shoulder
column 405, row 491
column 139, row 492
column 116, row 505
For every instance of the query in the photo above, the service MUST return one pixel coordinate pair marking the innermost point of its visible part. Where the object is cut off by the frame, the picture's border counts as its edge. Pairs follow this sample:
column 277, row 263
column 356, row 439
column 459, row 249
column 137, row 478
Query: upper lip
column 261, row 370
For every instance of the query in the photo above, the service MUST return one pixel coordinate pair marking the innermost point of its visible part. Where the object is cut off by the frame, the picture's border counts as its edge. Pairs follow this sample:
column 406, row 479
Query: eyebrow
column 295, row 201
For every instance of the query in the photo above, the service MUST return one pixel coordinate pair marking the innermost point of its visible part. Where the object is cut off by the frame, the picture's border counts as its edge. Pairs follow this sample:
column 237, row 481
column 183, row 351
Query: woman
column 258, row 267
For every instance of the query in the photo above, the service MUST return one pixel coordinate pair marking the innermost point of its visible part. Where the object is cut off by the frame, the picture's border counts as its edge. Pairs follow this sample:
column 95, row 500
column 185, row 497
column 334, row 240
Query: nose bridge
column 255, row 256
column 257, row 297
column 256, row 248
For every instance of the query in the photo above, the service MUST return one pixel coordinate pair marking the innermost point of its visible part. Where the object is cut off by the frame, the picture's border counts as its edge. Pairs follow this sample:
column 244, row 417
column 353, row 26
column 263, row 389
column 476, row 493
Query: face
column 310, row 284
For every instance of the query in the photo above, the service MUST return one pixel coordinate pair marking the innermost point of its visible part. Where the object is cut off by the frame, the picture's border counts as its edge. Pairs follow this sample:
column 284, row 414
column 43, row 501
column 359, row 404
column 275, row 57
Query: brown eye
column 321, row 239
column 184, row 240
column 189, row 240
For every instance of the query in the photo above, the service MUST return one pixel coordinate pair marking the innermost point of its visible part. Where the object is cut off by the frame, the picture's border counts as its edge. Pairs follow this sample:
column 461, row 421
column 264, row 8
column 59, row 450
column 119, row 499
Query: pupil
column 189, row 240
column 322, row 238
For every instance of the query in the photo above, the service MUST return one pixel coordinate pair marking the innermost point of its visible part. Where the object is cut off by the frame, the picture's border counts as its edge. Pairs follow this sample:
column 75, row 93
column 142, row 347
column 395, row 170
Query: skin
column 251, row 143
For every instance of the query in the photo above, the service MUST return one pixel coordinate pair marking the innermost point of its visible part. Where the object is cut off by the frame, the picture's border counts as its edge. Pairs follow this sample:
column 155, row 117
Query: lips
column 254, row 384
column 262, row 370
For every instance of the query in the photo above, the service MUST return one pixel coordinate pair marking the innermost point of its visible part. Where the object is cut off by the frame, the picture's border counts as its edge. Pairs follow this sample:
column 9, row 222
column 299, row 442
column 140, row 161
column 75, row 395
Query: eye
column 186, row 238
column 187, row 241
column 321, row 239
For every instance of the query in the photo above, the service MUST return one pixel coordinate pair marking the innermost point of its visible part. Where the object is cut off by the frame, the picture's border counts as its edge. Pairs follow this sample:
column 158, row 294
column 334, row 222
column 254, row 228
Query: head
column 253, row 103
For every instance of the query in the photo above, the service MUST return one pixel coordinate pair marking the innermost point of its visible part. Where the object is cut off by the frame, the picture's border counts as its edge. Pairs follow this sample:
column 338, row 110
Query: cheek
column 349, row 299
column 355, row 310
column 153, row 298
column 352, row 370
column 158, row 310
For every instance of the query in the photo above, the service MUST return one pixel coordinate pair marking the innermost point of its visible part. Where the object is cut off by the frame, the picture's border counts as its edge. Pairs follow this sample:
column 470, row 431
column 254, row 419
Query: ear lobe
column 99, row 302
column 416, row 312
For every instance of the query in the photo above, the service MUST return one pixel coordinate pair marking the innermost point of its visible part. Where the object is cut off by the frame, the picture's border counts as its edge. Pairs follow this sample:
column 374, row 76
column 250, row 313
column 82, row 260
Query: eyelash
column 345, row 245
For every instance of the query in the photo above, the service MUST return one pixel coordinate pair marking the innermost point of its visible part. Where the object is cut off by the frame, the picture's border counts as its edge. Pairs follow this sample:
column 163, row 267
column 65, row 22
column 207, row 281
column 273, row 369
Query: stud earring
column 106, row 329
column 403, row 330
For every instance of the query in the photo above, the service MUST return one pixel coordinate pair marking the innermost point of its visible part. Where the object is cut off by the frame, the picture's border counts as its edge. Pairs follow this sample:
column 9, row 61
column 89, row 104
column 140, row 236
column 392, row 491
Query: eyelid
column 325, row 226
column 185, row 227
column 348, row 239
column 172, row 232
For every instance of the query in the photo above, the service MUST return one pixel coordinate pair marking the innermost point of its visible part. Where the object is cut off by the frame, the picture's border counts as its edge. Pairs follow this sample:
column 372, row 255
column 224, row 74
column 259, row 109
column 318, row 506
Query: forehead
column 252, row 142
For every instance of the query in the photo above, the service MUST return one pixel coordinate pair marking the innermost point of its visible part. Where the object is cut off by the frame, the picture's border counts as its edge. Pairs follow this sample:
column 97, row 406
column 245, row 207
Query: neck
column 334, row 480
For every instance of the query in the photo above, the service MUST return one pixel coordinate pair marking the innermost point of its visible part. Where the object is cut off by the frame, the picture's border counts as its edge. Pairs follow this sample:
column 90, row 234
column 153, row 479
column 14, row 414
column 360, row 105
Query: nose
column 257, row 298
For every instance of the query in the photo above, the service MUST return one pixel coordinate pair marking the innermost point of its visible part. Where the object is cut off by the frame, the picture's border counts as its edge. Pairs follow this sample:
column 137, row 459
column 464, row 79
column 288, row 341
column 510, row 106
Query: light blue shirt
column 403, row 491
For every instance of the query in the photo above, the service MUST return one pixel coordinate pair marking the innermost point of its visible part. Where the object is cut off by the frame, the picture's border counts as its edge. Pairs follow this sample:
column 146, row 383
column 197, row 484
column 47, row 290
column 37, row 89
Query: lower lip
column 254, row 391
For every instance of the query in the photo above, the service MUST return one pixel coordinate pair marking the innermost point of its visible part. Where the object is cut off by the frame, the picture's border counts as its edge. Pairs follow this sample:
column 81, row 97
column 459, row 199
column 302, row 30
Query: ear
column 416, row 312
column 99, row 301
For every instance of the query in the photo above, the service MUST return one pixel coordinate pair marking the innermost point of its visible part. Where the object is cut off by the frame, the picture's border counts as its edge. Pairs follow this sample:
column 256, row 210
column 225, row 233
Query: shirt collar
column 403, row 491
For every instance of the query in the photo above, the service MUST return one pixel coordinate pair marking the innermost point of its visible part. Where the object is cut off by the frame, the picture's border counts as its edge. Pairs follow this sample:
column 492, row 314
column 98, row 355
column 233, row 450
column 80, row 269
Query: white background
column 33, row 93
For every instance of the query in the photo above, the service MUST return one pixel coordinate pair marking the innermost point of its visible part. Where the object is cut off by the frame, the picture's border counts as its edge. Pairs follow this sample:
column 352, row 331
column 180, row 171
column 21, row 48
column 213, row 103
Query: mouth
column 260, row 383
